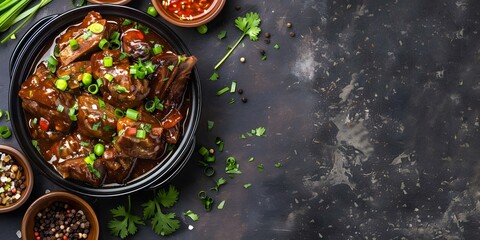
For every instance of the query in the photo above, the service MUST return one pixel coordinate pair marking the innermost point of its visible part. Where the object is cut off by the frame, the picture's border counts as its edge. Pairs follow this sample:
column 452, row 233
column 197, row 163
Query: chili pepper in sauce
column 187, row 9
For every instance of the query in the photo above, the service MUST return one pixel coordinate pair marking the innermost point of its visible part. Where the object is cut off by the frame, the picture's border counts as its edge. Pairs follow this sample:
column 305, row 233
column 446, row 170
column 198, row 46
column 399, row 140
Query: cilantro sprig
column 162, row 224
column 126, row 226
column 250, row 26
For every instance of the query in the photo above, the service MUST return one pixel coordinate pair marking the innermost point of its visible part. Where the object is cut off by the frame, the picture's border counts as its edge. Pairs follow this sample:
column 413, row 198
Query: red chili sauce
column 188, row 10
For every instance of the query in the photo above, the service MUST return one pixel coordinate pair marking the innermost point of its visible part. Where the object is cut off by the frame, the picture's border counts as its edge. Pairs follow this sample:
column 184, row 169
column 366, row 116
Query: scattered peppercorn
column 266, row 40
column 292, row 34
column 267, row 35
column 242, row 59
column 289, row 25
column 240, row 91
column 211, row 151
column 244, row 99
column 12, row 180
column 237, row 7
column 60, row 221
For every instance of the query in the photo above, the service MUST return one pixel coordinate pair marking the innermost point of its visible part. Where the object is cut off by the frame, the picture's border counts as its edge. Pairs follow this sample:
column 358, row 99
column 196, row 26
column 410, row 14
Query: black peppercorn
column 292, row 34
column 244, row 99
column 240, row 91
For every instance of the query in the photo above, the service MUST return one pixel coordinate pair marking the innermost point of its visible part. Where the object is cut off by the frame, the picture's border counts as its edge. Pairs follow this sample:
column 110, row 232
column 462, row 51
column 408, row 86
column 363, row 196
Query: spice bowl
column 70, row 215
column 188, row 13
column 16, row 179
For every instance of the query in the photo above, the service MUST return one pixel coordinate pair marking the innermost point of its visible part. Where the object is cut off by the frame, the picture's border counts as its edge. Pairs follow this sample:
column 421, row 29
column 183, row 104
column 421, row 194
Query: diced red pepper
column 44, row 124
column 131, row 131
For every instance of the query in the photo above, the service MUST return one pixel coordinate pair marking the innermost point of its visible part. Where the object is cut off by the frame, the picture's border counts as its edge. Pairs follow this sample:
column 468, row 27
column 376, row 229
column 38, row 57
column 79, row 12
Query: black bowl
column 22, row 63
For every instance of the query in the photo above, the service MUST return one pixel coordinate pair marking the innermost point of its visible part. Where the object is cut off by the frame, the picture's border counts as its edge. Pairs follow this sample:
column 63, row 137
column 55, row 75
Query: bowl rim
column 121, row 2
column 58, row 196
column 21, row 159
column 28, row 51
column 201, row 21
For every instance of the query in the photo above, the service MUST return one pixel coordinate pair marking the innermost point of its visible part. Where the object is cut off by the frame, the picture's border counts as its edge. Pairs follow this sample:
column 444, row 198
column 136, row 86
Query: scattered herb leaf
column 222, row 34
column 192, row 215
column 127, row 225
column 276, row 46
column 247, row 185
column 214, row 76
column 210, row 125
column 249, row 25
column 260, row 167
column 278, row 165
column 221, row 205
column 202, row 29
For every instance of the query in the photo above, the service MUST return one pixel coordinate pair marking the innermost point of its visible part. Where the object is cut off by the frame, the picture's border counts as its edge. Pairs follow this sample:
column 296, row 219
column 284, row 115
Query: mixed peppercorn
column 61, row 221
column 12, row 180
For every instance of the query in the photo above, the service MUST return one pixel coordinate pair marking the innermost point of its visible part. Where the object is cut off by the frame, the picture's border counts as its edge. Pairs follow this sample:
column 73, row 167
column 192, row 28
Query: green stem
column 229, row 52
column 129, row 203
column 37, row 7
column 29, row 11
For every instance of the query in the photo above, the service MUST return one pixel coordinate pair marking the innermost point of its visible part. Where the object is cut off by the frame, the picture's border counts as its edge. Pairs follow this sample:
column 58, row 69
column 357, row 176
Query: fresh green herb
column 132, row 114
column 157, row 49
column 221, row 205
column 126, row 22
column 191, row 214
column 243, row 136
column 5, row 132
column 123, row 55
column 101, row 103
column 222, row 34
column 233, row 87
column 141, row 134
column 60, row 108
column 202, row 29
column 209, row 171
column 249, row 25
column 232, row 166
column 276, row 46
column 158, row 103
column 214, row 76
column 78, row 3
column 218, row 183
column 96, row 125
column 115, row 40
column 220, row 143
column 264, row 57
column 121, row 89
column 251, row 159
column 171, row 67
column 11, row 15
column 85, row 144
column 210, row 125
column 247, row 185
column 73, row 44
column 222, row 91
column 278, row 165
column 260, row 167
column 162, row 224
column 87, row 79
column 206, row 200
column 109, row 77
column 127, row 225
column 87, row 35
column 92, row 88
column 35, row 144
column 93, row 170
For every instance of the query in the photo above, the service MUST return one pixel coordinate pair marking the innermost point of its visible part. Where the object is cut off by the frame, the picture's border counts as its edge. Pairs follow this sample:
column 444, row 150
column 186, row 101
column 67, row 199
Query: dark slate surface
column 372, row 109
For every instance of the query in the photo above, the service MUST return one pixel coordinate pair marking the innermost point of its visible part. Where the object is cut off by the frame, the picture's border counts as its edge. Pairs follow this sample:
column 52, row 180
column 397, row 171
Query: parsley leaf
column 162, row 224
column 249, row 25
column 214, row 76
column 126, row 226
column 168, row 199
column 192, row 215
column 222, row 34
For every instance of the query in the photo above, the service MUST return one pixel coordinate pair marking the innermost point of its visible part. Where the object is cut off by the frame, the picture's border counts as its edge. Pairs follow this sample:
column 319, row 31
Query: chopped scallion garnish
column 222, row 91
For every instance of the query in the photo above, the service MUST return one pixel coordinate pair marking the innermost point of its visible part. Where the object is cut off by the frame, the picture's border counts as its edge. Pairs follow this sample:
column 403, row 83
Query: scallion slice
column 108, row 61
column 103, row 44
column 96, row 27
column 222, row 91
column 108, row 76
column 5, row 132
column 141, row 134
column 132, row 114
column 157, row 49
column 93, row 89
column 60, row 108
column 119, row 113
column 150, row 106
column 233, row 87
column 61, row 84
column 73, row 44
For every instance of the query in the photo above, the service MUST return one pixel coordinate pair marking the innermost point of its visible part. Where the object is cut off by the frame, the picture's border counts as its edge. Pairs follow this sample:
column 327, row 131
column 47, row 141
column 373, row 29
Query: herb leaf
column 126, row 226
column 165, row 224
column 222, row 34
column 214, row 76
column 168, row 198
column 249, row 25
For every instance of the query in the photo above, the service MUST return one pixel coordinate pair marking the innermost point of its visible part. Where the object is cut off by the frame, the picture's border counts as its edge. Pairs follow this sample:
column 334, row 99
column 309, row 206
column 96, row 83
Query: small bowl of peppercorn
column 16, row 179
column 188, row 13
column 60, row 215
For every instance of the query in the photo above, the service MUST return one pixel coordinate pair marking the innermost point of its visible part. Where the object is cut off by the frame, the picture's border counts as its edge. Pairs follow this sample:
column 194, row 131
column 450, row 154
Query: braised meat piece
column 87, row 36
column 75, row 72
column 122, row 91
column 164, row 74
column 43, row 100
column 131, row 143
column 71, row 146
column 177, row 89
column 77, row 169
column 118, row 168
column 96, row 118
column 133, row 43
